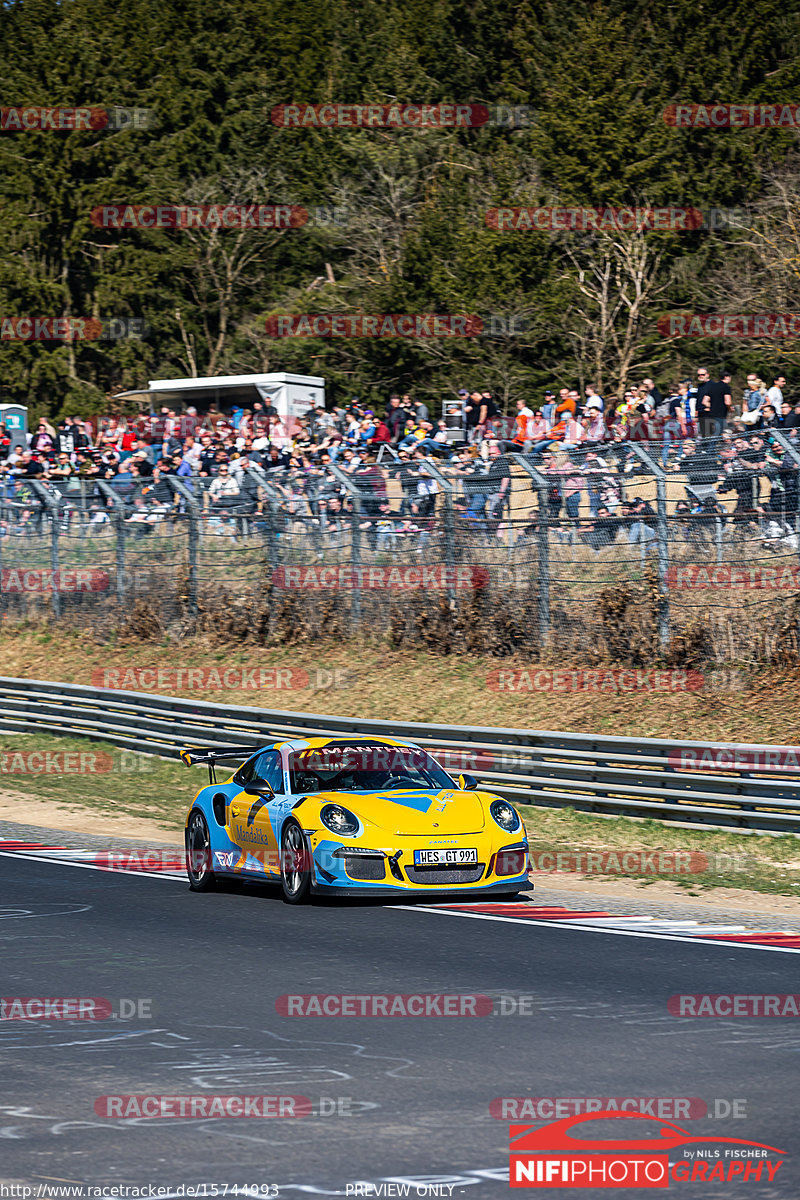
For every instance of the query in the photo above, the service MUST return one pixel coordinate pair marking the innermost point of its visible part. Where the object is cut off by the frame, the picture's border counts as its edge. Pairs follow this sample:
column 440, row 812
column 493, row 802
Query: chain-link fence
column 683, row 551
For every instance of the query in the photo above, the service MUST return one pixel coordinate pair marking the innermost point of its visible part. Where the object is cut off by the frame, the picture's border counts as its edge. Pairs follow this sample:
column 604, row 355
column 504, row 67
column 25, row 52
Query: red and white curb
column 522, row 913
column 599, row 921
column 92, row 859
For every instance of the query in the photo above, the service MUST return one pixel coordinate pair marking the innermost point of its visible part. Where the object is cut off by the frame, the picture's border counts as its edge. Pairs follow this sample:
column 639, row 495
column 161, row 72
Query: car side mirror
column 467, row 783
column 259, row 787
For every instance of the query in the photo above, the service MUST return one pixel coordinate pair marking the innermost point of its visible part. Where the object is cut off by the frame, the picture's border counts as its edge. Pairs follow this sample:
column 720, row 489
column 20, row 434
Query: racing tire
column 198, row 854
column 295, row 867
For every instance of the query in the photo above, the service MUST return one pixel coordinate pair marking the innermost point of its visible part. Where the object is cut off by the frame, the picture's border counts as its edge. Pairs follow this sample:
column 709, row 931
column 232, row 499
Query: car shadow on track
column 253, row 889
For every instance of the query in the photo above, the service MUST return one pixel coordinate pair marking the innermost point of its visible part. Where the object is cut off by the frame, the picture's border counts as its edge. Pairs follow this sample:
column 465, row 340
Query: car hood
column 414, row 811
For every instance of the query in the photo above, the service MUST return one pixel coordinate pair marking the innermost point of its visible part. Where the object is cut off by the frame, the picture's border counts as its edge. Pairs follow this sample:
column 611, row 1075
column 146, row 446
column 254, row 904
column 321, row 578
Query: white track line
column 71, row 862
column 697, row 940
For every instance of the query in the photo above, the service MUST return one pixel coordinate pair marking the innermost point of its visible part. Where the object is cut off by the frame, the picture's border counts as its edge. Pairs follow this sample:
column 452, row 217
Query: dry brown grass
column 382, row 682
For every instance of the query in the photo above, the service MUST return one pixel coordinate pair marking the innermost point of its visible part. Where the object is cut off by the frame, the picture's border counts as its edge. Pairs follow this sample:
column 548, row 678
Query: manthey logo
column 560, row 1155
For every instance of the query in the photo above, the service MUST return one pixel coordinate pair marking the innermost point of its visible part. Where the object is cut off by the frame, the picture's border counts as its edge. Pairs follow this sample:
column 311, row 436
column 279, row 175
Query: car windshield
column 365, row 767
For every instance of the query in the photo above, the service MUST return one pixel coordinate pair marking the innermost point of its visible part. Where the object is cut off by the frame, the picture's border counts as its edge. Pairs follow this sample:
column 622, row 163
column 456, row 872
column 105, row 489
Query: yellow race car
column 350, row 817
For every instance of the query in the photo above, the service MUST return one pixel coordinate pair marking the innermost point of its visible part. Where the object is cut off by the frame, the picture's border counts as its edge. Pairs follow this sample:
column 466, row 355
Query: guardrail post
column 179, row 488
column 47, row 500
column 355, row 547
column 273, row 501
column 119, row 526
column 543, row 538
column 449, row 524
column 663, row 541
column 793, row 454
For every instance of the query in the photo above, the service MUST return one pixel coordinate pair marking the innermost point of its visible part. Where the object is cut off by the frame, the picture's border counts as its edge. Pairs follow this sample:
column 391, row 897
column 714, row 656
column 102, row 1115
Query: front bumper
column 333, row 872
column 448, row 891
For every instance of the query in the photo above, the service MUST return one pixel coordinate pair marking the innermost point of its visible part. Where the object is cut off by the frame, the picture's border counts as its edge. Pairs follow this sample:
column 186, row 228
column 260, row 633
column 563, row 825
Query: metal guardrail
column 591, row 773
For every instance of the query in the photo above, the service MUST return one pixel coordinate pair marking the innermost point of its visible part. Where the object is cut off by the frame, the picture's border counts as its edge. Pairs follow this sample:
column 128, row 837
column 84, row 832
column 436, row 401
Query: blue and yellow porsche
column 350, row 817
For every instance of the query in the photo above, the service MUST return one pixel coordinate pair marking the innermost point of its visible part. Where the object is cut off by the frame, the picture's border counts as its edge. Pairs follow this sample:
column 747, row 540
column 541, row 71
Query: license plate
column 441, row 858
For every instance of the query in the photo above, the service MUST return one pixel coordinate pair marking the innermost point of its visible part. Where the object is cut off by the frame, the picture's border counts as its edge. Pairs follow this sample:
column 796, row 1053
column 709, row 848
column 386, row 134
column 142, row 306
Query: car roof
column 342, row 739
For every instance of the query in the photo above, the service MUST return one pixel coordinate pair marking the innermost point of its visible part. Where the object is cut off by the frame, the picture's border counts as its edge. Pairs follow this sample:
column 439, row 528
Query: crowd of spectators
column 579, row 442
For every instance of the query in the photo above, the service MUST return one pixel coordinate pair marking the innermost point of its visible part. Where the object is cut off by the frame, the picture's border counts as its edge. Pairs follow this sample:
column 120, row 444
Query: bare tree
column 618, row 278
column 759, row 272
column 225, row 265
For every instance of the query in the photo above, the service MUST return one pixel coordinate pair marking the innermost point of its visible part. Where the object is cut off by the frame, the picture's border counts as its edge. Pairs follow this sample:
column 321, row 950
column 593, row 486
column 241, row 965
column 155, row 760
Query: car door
column 253, row 827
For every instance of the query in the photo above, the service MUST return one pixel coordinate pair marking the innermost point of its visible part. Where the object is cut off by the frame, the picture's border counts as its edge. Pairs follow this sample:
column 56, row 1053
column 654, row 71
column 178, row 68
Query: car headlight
column 505, row 815
column 339, row 820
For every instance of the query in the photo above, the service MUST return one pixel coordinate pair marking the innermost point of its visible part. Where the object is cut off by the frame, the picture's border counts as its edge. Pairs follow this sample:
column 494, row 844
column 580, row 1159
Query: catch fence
column 623, row 550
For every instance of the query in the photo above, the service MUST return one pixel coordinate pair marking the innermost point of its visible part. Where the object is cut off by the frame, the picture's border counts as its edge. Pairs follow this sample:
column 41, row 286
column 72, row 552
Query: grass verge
column 96, row 779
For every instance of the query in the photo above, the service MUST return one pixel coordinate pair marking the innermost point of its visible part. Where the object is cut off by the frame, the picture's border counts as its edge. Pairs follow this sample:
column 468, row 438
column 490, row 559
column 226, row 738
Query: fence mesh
column 690, row 550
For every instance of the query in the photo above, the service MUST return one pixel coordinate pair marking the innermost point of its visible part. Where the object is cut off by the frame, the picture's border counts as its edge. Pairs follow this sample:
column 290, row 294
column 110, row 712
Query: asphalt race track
column 412, row 1094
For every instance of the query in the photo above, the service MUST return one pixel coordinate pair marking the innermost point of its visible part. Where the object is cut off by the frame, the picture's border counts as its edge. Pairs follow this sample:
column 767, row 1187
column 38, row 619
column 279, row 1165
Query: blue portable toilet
column 15, row 417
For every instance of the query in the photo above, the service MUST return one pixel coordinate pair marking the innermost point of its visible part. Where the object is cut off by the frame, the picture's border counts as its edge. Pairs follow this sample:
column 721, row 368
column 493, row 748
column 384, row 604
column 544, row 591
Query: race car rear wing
column 211, row 755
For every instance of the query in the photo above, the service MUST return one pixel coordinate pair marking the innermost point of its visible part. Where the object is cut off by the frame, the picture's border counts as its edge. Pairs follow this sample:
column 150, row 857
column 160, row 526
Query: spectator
column 473, row 414
column 30, row 466
column 142, row 463
column 574, row 432
column 652, row 395
column 593, row 399
column 43, row 441
column 538, row 428
column 548, row 409
column 602, row 531
column 491, row 486
column 62, row 468
column 642, row 518
column 595, row 469
column 395, row 419
column 593, row 425
column 224, row 490
column 423, row 505
column 775, row 393
column 382, row 435
column 523, row 434
column 714, row 405
column 753, row 398
column 566, row 406
column 788, row 418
